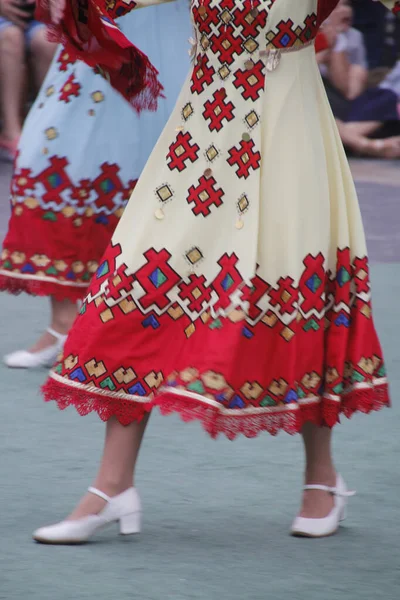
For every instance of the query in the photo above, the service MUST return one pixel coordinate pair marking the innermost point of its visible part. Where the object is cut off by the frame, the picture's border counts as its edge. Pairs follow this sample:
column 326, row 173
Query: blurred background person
column 381, row 33
column 367, row 117
column 81, row 151
column 21, row 38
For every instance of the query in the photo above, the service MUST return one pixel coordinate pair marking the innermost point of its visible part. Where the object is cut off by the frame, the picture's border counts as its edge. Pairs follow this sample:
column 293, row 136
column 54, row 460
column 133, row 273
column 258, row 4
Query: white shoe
column 124, row 508
column 304, row 527
column 22, row 359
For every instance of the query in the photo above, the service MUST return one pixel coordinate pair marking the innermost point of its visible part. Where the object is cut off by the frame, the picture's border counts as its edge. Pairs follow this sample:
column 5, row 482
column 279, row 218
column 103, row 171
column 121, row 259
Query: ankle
column 112, row 488
column 11, row 134
column 325, row 475
column 62, row 326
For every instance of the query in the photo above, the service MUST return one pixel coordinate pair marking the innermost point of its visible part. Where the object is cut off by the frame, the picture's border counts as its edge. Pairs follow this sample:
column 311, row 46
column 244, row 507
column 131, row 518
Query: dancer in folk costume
column 235, row 290
column 81, row 152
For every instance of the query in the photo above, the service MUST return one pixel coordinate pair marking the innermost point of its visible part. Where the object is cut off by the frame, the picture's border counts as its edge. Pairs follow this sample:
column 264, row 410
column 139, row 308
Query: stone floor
column 216, row 512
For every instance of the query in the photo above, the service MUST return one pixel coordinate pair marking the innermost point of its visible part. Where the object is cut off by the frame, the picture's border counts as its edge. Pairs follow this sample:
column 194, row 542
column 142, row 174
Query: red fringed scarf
column 89, row 33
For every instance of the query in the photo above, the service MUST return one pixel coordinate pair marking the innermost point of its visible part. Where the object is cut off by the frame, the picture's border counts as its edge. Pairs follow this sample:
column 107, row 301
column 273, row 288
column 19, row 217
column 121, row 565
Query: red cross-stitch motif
column 64, row 59
column 249, row 25
column 157, row 278
column 339, row 287
column 206, row 20
column 254, row 294
column 227, row 280
column 102, row 274
column 361, row 275
column 218, row 110
column 309, row 30
column 82, row 191
column 252, row 81
column 202, row 76
column 287, row 34
column 196, row 292
column 21, row 182
column 55, row 179
column 312, row 284
column 107, row 185
column 70, row 88
column 244, row 158
column 285, row 296
column 226, row 44
column 181, row 151
column 119, row 284
column 204, row 196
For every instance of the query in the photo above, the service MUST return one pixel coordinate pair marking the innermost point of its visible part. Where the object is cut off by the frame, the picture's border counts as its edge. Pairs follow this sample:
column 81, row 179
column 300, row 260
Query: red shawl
column 88, row 32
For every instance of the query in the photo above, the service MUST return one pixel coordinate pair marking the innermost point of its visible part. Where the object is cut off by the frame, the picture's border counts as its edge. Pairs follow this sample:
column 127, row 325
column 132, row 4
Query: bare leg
column 12, row 71
column 364, row 128
column 354, row 138
column 42, row 54
column 319, row 469
column 63, row 314
column 117, row 467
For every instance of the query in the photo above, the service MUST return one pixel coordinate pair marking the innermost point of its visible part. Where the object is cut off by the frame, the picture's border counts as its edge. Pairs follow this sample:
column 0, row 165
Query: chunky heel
column 343, row 514
column 130, row 524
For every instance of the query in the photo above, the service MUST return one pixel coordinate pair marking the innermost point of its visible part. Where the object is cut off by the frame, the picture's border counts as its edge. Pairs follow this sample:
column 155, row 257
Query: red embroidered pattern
column 277, row 367
column 63, row 263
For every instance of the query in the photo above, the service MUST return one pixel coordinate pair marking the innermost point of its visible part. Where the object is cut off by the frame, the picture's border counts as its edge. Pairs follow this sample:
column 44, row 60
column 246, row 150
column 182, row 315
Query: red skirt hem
column 326, row 412
column 34, row 287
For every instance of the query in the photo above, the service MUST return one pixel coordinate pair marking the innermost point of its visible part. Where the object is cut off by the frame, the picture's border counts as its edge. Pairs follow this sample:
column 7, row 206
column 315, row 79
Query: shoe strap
column 99, row 493
column 331, row 490
column 59, row 336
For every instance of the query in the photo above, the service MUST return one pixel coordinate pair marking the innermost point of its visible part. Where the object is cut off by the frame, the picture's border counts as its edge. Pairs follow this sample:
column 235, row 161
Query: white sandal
column 22, row 359
column 304, row 527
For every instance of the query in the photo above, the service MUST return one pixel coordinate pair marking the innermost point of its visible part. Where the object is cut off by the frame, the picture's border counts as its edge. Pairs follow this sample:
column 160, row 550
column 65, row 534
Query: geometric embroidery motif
column 251, row 80
column 244, row 158
column 226, row 44
column 202, row 75
column 157, row 278
column 217, row 110
column 286, row 35
column 204, row 196
column 181, row 151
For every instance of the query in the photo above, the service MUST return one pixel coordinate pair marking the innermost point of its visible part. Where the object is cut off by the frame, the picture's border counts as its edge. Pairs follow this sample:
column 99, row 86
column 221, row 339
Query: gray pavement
column 216, row 512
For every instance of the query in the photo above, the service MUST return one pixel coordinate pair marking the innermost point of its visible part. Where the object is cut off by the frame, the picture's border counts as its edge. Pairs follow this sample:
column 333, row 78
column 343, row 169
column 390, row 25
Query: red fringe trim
column 88, row 32
column 16, row 286
column 326, row 413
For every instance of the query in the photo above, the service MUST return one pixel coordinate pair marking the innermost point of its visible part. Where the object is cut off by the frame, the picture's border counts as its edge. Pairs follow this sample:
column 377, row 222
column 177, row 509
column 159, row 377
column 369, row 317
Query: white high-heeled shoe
column 22, row 359
column 304, row 527
column 124, row 508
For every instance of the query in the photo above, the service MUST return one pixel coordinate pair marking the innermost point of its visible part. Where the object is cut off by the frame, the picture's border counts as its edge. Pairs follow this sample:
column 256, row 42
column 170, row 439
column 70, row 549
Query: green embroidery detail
column 50, row 216
column 51, row 271
column 301, row 393
column 311, row 324
column 267, row 401
column 216, row 324
column 7, row 264
column 338, row 389
column 382, row 371
column 107, row 383
column 356, row 376
column 196, row 386
column 83, row 309
column 58, row 368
